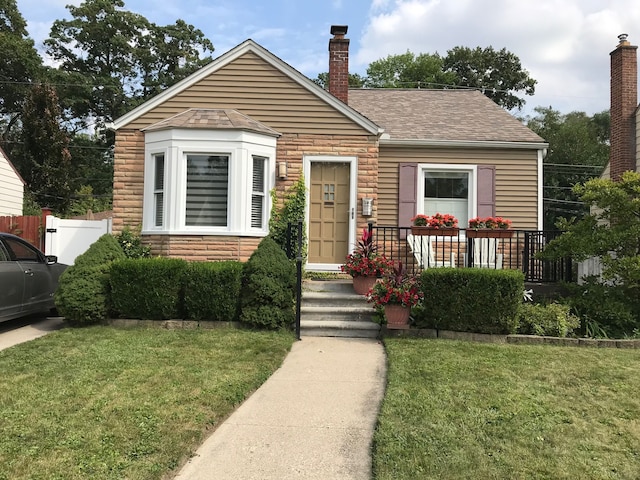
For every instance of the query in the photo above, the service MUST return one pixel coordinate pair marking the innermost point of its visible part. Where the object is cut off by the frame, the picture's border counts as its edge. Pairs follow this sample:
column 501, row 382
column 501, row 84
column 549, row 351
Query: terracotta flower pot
column 362, row 285
column 397, row 316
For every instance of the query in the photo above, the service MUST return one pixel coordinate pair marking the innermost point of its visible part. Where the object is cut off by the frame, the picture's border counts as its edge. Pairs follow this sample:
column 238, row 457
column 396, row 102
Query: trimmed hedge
column 268, row 287
column 148, row 288
column 82, row 296
column 212, row 290
column 470, row 300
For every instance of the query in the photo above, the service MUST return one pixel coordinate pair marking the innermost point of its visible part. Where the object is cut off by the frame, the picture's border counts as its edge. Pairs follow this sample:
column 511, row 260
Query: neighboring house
column 195, row 164
column 625, row 113
column 11, row 187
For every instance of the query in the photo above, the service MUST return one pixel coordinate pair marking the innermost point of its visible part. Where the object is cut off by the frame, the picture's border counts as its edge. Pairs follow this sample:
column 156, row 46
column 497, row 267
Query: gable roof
column 6, row 157
column 218, row 119
column 228, row 57
column 433, row 116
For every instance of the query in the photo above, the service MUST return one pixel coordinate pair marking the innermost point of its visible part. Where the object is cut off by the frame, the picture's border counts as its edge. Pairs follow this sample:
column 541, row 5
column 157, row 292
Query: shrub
column 148, row 288
column 268, row 283
column 290, row 210
column 470, row 300
column 105, row 249
column 553, row 319
column 131, row 244
column 212, row 290
column 82, row 296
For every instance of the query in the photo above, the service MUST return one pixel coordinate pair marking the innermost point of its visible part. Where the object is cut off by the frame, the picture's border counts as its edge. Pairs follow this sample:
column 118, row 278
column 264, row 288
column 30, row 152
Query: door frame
column 353, row 195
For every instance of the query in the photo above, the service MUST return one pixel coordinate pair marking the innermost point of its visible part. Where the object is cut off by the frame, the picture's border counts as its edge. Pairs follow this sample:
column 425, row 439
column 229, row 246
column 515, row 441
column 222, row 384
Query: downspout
column 541, row 154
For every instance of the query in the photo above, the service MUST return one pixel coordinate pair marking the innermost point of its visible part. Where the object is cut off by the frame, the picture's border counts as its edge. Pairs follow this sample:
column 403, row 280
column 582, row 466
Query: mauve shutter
column 407, row 183
column 486, row 190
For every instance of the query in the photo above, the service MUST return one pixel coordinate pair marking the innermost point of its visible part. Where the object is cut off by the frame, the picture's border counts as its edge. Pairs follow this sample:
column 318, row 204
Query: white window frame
column 239, row 146
column 472, row 170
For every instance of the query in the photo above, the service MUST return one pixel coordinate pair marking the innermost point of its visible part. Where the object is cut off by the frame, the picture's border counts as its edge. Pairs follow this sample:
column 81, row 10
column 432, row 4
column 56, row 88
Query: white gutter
column 463, row 143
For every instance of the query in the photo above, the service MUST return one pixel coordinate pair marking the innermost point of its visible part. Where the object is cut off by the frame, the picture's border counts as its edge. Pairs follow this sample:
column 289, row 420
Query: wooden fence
column 31, row 228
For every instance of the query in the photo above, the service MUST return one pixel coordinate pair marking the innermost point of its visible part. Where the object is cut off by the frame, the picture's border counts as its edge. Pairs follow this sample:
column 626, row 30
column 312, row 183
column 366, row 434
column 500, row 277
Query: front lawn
column 457, row 410
column 107, row 403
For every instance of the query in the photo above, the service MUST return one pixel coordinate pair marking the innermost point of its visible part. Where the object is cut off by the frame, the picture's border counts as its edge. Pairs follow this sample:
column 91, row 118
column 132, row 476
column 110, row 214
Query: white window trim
column 448, row 167
column 175, row 145
column 353, row 195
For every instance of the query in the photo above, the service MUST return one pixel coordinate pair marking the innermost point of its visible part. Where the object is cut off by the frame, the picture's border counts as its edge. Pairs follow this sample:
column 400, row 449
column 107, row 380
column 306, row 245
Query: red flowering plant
column 365, row 260
column 492, row 223
column 397, row 288
column 438, row 220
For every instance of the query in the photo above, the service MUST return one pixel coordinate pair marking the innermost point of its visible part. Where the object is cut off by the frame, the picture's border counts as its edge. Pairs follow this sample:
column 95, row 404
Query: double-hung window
column 158, row 190
column 447, row 189
column 258, row 192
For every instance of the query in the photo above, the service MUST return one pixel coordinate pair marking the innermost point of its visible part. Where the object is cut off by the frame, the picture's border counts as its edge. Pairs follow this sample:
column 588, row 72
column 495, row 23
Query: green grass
column 106, row 403
column 456, row 410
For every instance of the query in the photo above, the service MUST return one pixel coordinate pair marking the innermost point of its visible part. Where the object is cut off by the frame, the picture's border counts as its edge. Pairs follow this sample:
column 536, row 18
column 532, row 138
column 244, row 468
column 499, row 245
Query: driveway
column 25, row 329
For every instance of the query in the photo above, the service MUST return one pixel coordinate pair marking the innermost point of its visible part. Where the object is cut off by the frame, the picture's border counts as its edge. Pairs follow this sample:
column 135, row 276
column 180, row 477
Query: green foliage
column 29, row 205
column 553, row 319
column 84, row 201
column 470, row 300
column 268, row 287
column 82, row 296
column 578, row 151
column 131, row 244
column 148, row 288
column 605, row 310
column 292, row 210
column 212, row 290
column 407, row 70
column 355, row 80
column 103, row 250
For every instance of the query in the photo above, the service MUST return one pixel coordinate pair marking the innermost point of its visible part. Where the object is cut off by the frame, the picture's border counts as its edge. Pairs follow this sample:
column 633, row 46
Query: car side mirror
column 51, row 259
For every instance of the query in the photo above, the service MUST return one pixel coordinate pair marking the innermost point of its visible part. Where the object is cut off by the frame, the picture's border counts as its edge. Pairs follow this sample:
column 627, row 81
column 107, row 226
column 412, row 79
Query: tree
column 499, row 74
column 46, row 148
column 408, row 71
column 20, row 64
column 578, row 151
column 116, row 58
column 355, row 80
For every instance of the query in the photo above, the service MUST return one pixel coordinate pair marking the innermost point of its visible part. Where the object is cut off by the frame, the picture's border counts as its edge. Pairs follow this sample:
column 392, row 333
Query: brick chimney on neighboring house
column 339, row 63
column 624, row 102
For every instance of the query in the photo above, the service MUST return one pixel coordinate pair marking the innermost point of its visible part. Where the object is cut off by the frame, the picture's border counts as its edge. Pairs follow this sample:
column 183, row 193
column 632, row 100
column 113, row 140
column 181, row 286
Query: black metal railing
column 293, row 249
column 458, row 249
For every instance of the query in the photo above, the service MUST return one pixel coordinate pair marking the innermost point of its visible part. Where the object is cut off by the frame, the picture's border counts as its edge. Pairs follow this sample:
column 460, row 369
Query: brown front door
column 329, row 212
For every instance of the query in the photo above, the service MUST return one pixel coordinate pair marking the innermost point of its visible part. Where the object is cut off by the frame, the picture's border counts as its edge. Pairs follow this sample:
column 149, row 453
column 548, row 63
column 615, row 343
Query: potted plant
column 396, row 293
column 489, row 227
column 442, row 224
column 365, row 265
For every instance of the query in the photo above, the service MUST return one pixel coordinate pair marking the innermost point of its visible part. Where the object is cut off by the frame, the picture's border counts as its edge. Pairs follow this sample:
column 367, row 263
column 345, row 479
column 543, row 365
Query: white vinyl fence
column 588, row 267
column 69, row 238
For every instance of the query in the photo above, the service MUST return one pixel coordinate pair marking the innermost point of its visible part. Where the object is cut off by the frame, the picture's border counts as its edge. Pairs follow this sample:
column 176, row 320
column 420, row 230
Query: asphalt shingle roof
column 453, row 115
column 218, row 119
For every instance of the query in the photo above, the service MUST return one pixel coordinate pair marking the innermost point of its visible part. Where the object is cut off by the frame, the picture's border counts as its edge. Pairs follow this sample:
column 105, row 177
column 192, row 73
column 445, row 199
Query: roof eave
column 224, row 59
column 463, row 143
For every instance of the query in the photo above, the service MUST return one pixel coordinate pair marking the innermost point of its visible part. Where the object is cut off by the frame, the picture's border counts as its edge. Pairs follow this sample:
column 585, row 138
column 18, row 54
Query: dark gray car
column 28, row 278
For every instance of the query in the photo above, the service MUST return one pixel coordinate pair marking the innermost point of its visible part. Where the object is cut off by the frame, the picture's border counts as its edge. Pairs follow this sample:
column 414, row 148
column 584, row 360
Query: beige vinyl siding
column 257, row 89
column 11, row 189
column 516, row 179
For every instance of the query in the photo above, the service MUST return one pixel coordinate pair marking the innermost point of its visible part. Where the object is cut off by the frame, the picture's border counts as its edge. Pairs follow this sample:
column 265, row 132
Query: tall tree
column 118, row 58
column 46, row 147
column 20, row 64
column 355, row 80
column 578, row 151
column 499, row 74
column 408, row 71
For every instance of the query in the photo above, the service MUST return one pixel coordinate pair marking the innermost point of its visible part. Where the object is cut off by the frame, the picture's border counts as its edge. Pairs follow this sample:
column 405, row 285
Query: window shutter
column 486, row 190
column 407, row 195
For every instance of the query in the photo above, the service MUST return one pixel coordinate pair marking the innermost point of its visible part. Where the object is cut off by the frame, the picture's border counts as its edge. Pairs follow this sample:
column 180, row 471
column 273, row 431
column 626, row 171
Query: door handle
column 29, row 272
column 353, row 212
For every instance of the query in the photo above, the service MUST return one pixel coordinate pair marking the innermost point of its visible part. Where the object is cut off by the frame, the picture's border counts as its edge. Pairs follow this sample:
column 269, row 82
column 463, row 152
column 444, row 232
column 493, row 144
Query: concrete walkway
column 9, row 338
column 313, row 419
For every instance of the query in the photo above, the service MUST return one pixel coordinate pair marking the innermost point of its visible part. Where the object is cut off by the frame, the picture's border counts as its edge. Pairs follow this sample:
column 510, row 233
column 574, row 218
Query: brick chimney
column 339, row 63
column 624, row 101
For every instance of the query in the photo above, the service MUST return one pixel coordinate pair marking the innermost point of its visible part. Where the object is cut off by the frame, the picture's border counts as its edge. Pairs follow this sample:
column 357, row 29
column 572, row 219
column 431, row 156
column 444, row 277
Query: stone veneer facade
column 129, row 188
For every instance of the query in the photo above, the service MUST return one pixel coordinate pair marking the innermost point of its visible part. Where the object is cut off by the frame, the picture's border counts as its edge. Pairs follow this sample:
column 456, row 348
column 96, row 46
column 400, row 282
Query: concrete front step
column 338, row 328
column 331, row 308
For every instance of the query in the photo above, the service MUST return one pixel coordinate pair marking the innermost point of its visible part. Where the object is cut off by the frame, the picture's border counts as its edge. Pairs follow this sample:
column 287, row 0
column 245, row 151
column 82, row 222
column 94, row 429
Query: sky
column 563, row 44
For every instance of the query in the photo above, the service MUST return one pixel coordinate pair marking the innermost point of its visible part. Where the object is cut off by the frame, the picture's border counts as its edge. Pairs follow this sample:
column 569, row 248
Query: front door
column 329, row 212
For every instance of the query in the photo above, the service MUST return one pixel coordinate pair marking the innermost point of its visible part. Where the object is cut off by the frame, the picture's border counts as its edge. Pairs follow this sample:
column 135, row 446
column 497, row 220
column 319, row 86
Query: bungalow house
column 11, row 187
column 625, row 114
column 195, row 164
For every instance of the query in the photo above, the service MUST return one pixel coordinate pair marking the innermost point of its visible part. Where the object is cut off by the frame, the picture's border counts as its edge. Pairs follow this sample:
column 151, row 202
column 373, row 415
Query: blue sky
column 564, row 44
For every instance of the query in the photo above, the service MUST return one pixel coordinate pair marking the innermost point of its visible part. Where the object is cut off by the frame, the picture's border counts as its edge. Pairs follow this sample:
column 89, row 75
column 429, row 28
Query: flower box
column 489, row 233
column 441, row 232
